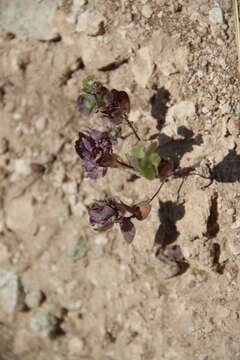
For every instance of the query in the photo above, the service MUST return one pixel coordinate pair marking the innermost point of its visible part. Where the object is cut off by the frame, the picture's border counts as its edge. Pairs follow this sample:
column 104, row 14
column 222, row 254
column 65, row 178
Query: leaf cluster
column 95, row 148
column 114, row 105
column 104, row 214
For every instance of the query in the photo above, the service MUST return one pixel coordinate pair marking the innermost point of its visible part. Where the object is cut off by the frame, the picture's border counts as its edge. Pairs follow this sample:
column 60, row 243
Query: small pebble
column 34, row 299
column 101, row 240
column 226, row 108
column 147, row 11
column 75, row 346
column 234, row 246
column 233, row 125
column 231, row 211
column 238, row 108
column 231, row 144
column 216, row 15
column 44, row 323
column 21, row 167
column 235, row 225
column 41, row 123
column 12, row 293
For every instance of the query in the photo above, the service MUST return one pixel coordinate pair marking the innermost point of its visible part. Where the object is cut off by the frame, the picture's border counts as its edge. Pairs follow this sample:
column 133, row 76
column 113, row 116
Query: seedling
column 95, row 148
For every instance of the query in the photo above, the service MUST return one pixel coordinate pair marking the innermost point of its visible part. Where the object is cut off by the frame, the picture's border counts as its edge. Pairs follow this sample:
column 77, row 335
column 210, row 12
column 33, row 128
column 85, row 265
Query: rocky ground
column 67, row 292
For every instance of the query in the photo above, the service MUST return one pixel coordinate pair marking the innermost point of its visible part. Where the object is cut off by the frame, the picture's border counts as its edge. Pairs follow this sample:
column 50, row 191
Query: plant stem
column 156, row 193
column 133, row 129
column 125, row 165
column 202, row 176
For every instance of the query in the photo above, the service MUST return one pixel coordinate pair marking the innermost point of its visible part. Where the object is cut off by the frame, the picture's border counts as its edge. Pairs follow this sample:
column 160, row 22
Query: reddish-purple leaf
column 95, row 148
column 128, row 229
column 103, row 214
column 140, row 211
column 117, row 110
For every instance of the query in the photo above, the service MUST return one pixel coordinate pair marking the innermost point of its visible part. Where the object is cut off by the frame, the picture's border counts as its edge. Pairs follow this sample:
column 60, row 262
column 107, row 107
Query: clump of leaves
column 114, row 105
column 149, row 163
column 95, row 148
column 104, row 214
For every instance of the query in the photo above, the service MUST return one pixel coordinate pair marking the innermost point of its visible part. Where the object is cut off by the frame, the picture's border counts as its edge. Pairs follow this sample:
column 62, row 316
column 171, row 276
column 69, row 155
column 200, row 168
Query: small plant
column 104, row 214
column 95, row 148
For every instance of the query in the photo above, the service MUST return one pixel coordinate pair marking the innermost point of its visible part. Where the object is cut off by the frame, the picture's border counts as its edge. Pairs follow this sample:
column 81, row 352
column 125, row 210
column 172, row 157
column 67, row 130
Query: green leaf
column 155, row 160
column 86, row 103
column 147, row 170
column 146, row 159
column 152, row 148
column 90, row 85
column 138, row 151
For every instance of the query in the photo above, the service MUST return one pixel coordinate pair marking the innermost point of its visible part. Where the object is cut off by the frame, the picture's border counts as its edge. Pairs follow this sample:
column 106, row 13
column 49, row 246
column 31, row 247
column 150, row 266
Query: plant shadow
column 228, row 170
column 169, row 213
column 176, row 148
column 159, row 106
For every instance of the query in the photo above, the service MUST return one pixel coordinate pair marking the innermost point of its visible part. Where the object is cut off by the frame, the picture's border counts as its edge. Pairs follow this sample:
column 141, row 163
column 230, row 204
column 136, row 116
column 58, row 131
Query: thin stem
column 179, row 189
column 125, row 165
column 202, row 176
column 133, row 129
column 157, row 192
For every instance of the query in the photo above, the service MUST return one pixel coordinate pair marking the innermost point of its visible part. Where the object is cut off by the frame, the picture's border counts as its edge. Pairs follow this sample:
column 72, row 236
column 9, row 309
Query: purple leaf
column 103, row 214
column 128, row 229
column 95, row 148
column 117, row 110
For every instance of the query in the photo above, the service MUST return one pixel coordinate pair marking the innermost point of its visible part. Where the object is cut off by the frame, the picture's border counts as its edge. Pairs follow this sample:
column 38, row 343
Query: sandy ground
column 112, row 301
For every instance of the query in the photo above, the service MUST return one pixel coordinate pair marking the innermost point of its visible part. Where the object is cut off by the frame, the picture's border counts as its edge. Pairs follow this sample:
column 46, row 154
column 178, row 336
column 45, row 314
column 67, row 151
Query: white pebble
column 12, row 294
column 44, row 323
column 216, row 15
column 147, row 11
column 234, row 245
column 21, row 167
column 231, row 211
column 235, row 225
column 101, row 240
column 41, row 123
column 75, row 346
column 34, row 299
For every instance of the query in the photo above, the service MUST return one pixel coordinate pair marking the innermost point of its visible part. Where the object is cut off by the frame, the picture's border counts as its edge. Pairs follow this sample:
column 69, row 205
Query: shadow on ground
column 175, row 149
column 228, row 170
column 169, row 213
column 159, row 106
